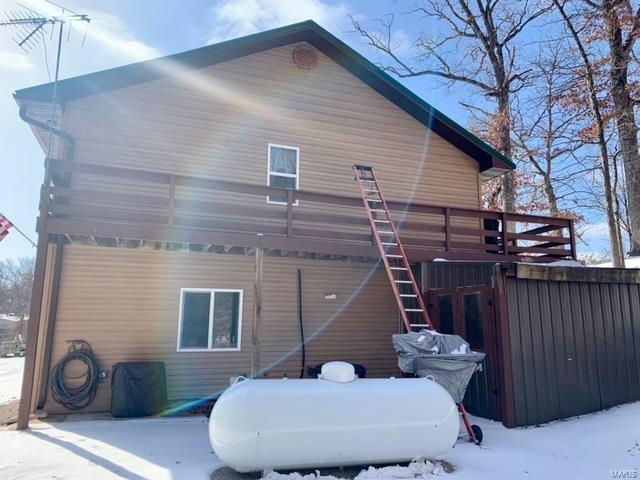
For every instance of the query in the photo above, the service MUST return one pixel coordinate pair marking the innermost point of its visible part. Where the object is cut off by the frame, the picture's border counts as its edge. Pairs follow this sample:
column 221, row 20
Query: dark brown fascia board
column 119, row 77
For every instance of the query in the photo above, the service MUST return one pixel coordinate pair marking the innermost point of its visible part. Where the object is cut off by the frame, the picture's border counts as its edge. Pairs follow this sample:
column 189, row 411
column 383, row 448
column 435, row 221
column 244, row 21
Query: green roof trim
column 309, row 31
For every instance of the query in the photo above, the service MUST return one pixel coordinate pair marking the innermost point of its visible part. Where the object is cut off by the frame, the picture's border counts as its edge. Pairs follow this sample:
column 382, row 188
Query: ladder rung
column 378, row 210
column 412, row 309
column 384, row 232
column 397, row 268
column 410, row 295
column 402, row 281
column 373, row 200
column 371, row 190
column 423, row 325
column 381, row 221
column 393, row 256
column 389, row 243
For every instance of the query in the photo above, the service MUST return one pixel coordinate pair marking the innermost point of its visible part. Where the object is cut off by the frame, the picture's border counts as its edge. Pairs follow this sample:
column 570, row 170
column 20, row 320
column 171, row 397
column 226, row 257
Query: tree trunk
column 612, row 223
column 626, row 125
column 615, row 240
column 550, row 195
column 503, row 145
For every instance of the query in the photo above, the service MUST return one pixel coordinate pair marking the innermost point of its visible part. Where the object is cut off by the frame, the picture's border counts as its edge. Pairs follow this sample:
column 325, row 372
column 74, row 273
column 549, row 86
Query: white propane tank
column 289, row 424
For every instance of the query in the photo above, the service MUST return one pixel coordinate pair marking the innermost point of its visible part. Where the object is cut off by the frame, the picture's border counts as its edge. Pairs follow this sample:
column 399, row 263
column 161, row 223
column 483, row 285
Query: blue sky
column 125, row 31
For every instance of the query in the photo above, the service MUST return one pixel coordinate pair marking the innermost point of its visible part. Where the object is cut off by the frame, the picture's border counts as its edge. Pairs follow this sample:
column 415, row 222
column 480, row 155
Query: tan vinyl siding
column 218, row 121
column 125, row 302
column 355, row 327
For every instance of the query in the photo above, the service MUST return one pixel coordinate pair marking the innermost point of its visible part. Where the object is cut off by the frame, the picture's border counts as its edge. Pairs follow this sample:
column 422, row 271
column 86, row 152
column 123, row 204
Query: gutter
column 47, row 128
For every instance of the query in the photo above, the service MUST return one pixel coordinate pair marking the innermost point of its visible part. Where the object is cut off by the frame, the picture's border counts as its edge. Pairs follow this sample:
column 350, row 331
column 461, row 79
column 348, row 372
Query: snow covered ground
column 178, row 448
column 10, row 378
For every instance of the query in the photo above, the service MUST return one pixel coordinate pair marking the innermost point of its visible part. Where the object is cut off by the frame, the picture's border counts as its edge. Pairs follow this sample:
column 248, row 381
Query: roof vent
column 305, row 57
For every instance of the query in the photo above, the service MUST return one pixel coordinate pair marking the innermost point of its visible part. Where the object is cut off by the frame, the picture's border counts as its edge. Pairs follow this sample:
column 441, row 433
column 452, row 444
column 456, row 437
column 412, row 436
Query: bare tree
column 16, row 279
column 478, row 47
column 544, row 129
column 589, row 79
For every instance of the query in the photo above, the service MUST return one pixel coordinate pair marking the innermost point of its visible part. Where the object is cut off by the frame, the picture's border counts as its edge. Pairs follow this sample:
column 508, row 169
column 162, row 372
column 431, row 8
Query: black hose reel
column 74, row 395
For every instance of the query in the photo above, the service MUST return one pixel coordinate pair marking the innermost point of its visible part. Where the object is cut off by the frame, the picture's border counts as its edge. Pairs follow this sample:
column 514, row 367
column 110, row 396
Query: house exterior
column 198, row 208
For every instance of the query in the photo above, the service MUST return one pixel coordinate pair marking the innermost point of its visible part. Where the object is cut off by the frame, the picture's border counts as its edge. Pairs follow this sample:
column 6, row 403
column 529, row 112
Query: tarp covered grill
column 445, row 358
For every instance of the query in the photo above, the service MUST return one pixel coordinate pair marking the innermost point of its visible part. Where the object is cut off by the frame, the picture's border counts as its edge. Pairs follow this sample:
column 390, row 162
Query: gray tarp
column 446, row 358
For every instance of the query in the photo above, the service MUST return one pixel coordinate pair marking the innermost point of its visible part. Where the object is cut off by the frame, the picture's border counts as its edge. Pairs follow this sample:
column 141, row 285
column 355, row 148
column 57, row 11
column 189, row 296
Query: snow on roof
column 566, row 263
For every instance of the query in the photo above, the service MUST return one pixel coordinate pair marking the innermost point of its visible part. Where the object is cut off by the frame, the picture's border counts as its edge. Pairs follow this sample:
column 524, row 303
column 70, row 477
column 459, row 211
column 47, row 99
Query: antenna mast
column 30, row 27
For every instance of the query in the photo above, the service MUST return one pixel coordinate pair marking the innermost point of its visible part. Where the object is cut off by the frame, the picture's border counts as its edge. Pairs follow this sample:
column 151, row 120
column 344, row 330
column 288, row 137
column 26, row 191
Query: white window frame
column 212, row 292
column 280, row 174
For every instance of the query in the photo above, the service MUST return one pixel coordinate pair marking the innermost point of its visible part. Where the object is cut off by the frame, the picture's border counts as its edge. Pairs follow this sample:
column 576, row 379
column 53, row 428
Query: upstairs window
column 283, row 170
column 209, row 319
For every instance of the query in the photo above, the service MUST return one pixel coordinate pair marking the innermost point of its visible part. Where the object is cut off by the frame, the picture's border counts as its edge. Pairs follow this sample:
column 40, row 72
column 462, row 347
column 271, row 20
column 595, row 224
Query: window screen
column 225, row 320
column 195, row 319
column 210, row 319
column 473, row 320
column 283, row 170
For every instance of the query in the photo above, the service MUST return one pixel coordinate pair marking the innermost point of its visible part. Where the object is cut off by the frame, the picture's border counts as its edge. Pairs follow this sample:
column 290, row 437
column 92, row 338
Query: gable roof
column 491, row 161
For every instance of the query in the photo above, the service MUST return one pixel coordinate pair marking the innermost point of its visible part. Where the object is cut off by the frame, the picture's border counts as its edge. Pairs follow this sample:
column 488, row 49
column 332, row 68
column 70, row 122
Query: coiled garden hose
column 75, row 397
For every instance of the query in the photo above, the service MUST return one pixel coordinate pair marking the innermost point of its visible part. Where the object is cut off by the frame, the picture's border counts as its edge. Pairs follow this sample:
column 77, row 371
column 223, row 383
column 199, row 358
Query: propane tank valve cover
column 340, row 372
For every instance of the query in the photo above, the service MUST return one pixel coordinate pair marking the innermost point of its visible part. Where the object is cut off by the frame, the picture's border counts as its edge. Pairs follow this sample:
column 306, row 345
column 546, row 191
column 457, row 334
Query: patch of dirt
column 9, row 412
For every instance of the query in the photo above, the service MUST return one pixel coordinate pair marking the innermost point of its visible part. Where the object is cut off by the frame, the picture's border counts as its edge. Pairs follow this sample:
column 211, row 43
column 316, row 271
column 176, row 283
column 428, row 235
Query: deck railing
column 203, row 210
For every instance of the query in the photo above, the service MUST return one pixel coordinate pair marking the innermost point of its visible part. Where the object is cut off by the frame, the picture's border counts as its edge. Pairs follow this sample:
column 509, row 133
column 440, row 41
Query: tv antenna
column 31, row 27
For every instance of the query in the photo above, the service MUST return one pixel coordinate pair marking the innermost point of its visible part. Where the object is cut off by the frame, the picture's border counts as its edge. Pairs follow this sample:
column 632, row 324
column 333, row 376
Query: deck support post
column 33, row 328
column 172, row 201
column 572, row 237
column 289, row 213
column 257, row 310
column 505, row 234
column 52, row 312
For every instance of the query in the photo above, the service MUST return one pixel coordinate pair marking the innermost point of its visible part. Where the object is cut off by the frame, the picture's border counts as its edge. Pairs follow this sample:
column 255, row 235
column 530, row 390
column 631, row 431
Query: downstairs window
column 210, row 319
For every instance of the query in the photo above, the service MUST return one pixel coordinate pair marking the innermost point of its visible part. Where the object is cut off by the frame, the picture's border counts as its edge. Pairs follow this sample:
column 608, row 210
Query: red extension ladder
column 412, row 308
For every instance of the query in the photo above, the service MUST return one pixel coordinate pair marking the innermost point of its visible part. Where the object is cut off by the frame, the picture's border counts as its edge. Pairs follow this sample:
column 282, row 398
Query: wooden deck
column 235, row 214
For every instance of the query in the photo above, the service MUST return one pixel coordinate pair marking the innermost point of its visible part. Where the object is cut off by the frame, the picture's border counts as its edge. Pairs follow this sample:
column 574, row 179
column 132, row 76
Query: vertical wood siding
column 125, row 303
column 575, row 347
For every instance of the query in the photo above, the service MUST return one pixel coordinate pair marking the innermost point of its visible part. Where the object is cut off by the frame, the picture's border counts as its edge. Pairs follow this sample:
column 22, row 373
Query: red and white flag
column 5, row 225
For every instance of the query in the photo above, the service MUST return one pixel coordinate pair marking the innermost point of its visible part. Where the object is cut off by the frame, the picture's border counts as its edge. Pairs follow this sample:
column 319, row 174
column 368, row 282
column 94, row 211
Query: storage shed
column 560, row 341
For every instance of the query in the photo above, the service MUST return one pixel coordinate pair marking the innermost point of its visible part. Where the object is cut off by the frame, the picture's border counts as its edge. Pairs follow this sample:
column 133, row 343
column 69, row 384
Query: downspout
column 35, row 312
column 301, row 325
